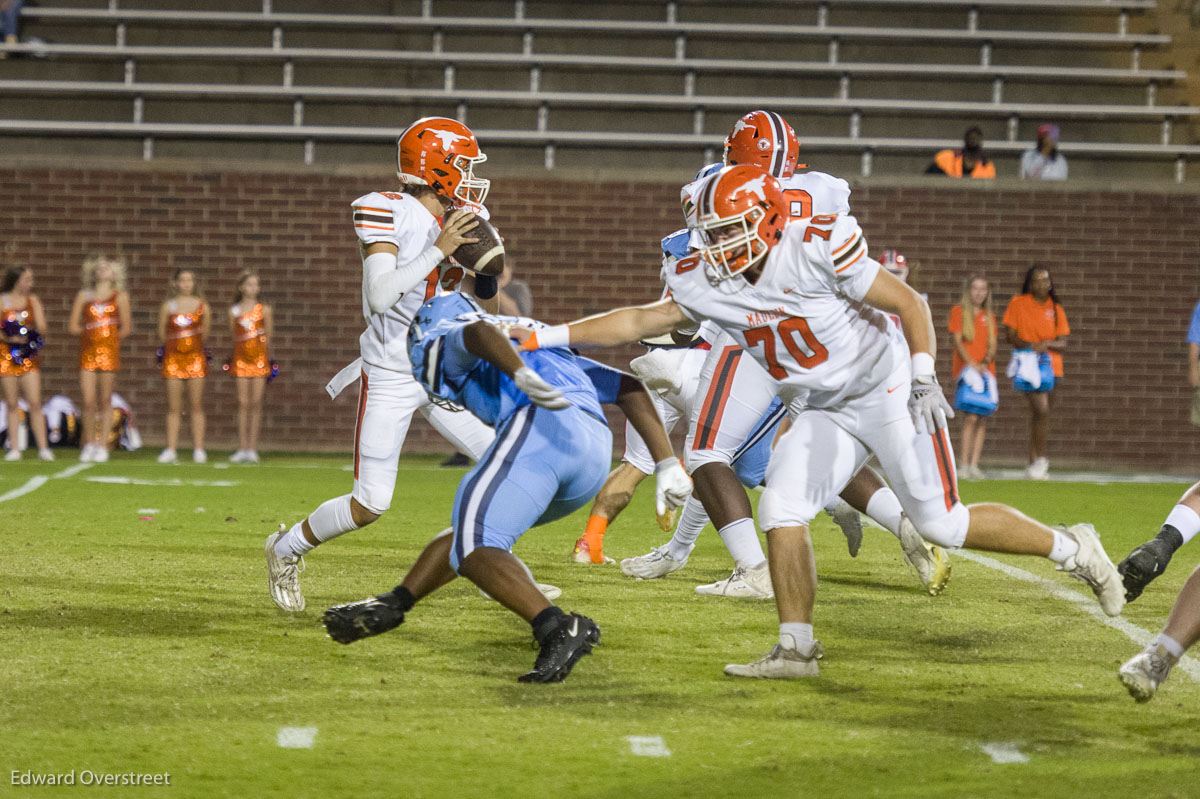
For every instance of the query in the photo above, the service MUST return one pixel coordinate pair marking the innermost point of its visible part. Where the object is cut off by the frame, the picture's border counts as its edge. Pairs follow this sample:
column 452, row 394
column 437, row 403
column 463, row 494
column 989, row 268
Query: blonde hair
column 968, row 307
column 242, row 278
column 92, row 263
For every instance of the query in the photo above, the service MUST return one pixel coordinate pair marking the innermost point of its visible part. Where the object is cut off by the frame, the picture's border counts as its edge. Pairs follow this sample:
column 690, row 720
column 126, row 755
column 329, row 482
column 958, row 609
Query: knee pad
column 947, row 529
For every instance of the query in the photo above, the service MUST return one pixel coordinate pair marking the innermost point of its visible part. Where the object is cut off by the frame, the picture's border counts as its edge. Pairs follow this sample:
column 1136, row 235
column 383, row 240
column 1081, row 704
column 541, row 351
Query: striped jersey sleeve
column 374, row 218
column 853, row 269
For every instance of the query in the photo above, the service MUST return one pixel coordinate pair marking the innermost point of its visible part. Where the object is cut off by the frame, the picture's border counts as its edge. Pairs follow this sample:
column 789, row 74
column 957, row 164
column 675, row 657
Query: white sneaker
column 973, row 473
column 1039, row 469
column 781, row 663
column 251, row 456
column 654, row 564
column 45, row 454
column 931, row 563
column 238, row 457
column 12, row 455
column 199, row 456
column 283, row 575
column 1144, row 672
column 86, row 454
column 751, row 583
column 1092, row 565
column 850, row 523
column 99, row 454
column 168, row 456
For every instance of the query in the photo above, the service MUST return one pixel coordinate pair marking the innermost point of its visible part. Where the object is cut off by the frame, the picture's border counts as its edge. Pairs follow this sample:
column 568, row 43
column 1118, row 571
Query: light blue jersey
column 543, row 464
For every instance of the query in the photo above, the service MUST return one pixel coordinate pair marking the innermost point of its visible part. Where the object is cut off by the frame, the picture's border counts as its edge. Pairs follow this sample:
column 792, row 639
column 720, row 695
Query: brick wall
column 1126, row 265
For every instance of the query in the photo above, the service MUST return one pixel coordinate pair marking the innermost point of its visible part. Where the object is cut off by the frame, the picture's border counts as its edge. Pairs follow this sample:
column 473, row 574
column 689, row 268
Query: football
column 485, row 256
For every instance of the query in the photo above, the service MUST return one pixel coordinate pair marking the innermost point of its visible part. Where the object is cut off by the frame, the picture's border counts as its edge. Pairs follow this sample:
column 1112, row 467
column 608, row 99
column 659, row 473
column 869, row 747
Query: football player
column 550, row 456
column 801, row 298
column 404, row 247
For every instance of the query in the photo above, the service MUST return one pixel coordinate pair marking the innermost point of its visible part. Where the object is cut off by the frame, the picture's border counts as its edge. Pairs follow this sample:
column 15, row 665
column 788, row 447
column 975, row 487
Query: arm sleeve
column 385, row 281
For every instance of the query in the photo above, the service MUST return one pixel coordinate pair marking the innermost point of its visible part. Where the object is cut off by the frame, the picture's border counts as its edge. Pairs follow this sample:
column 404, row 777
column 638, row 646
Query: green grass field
column 138, row 636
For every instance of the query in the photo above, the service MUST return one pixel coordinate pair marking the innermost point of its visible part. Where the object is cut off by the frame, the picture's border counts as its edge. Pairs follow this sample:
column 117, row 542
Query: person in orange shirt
column 183, row 326
column 1035, row 320
column 969, row 162
column 974, row 348
column 101, row 318
column 251, row 323
column 20, row 372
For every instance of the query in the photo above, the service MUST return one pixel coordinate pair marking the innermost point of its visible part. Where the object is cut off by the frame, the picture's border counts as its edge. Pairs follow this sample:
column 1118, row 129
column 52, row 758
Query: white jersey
column 804, row 321
column 402, row 220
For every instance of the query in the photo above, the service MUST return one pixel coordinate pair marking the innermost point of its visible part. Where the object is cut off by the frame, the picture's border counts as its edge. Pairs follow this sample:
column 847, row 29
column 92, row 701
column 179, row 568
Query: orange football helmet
column 740, row 215
column 442, row 153
column 765, row 139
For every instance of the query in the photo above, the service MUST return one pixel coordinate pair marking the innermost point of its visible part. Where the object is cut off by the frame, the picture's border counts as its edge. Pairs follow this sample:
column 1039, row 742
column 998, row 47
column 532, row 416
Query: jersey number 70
column 787, row 330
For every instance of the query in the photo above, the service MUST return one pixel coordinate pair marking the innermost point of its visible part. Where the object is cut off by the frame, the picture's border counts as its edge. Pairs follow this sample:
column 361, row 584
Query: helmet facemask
column 731, row 245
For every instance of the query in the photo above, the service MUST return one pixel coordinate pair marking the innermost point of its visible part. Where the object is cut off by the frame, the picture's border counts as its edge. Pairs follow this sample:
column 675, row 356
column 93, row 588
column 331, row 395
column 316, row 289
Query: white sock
column 1064, row 547
column 331, row 519
column 1185, row 520
column 741, row 539
column 1170, row 644
column 884, row 508
column 795, row 635
column 691, row 522
column 293, row 544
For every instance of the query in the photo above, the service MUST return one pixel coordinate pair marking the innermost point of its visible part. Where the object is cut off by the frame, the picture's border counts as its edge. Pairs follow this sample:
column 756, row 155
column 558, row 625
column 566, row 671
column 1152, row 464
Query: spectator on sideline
column 969, row 162
column 516, row 298
column 974, row 348
column 1035, row 320
column 20, row 372
column 101, row 318
column 251, row 322
column 1044, row 161
column 1193, row 339
column 183, row 325
column 10, row 25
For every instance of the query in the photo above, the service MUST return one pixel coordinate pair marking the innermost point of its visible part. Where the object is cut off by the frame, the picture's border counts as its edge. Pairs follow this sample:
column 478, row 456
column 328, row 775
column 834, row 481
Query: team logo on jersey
column 448, row 138
column 756, row 187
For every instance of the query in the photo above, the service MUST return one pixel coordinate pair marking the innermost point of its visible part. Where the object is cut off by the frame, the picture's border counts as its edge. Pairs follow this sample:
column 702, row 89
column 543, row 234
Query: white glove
column 542, row 393
column 658, row 370
column 672, row 486
column 928, row 405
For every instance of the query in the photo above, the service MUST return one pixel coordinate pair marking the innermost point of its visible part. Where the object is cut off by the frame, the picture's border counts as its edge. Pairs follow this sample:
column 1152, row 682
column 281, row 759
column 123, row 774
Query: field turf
column 138, row 636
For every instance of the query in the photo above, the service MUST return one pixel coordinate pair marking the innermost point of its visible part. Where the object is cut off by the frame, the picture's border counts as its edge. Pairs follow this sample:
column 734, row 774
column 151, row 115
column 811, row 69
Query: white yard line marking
column 71, row 471
column 648, row 745
column 36, row 482
column 1087, row 604
column 1004, row 753
column 296, row 737
column 138, row 481
column 144, row 511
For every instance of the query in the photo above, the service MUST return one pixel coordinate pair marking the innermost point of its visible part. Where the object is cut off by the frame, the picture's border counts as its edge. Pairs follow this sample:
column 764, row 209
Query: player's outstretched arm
column 485, row 341
column 611, row 328
column 672, row 484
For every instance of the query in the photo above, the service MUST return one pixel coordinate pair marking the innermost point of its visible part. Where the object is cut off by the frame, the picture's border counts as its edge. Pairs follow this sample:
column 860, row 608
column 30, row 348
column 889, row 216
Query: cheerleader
column 21, row 319
column 183, row 325
column 101, row 318
column 251, row 324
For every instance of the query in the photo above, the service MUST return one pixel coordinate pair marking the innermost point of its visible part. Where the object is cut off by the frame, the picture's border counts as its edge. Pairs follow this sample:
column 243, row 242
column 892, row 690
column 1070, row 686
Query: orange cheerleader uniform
column 99, row 344
column 250, row 344
column 183, row 353
column 7, row 367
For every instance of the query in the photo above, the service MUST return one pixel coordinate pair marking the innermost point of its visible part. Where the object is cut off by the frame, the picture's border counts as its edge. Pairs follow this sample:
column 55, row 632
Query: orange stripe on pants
column 718, row 395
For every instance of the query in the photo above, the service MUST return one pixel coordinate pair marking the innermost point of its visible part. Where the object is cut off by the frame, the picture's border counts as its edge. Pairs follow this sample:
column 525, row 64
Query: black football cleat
column 363, row 619
column 572, row 638
column 1145, row 563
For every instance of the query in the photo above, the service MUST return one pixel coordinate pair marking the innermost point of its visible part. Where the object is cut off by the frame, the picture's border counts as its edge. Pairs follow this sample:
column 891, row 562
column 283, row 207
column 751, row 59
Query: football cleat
column 572, row 638
column 931, row 563
column 850, row 523
column 283, row 575
column 1091, row 565
column 367, row 617
column 1141, row 566
column 746, row 583
column 781, row 664
column 1144, row 672
column 654, row 564
column 583, row 553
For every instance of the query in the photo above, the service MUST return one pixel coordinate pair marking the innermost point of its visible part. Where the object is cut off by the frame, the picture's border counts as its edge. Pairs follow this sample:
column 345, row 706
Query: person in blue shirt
column 551, row 455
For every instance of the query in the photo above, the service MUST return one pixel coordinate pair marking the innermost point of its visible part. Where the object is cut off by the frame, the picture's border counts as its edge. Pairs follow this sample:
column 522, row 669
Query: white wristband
column 922, row 365
column 553, row 336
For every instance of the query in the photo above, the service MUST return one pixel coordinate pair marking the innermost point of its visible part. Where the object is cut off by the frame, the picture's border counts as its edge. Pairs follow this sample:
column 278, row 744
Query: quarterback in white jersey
column 404, row 243
column 796, row 297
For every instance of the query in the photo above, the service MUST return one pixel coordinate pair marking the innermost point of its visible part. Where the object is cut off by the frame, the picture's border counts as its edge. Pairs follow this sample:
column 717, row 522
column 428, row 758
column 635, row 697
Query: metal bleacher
column 879, row 83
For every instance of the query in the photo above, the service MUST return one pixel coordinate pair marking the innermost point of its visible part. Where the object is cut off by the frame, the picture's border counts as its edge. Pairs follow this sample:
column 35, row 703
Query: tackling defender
column 550, row 456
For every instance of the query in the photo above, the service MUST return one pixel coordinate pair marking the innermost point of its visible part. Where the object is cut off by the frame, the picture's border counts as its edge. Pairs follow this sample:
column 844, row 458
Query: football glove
column 542, row 393
column 657, row 370
column 672, row 486
column 928, row 405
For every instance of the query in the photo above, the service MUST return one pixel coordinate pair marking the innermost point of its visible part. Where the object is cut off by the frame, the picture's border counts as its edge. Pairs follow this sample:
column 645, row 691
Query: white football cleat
column 1144, row 672
column 1092, row 565
column 168, row 456
column 283, row 575
column 850, row 523
column 654, row 564
column 931, row 563
column 782, row 664
column 747, row 583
